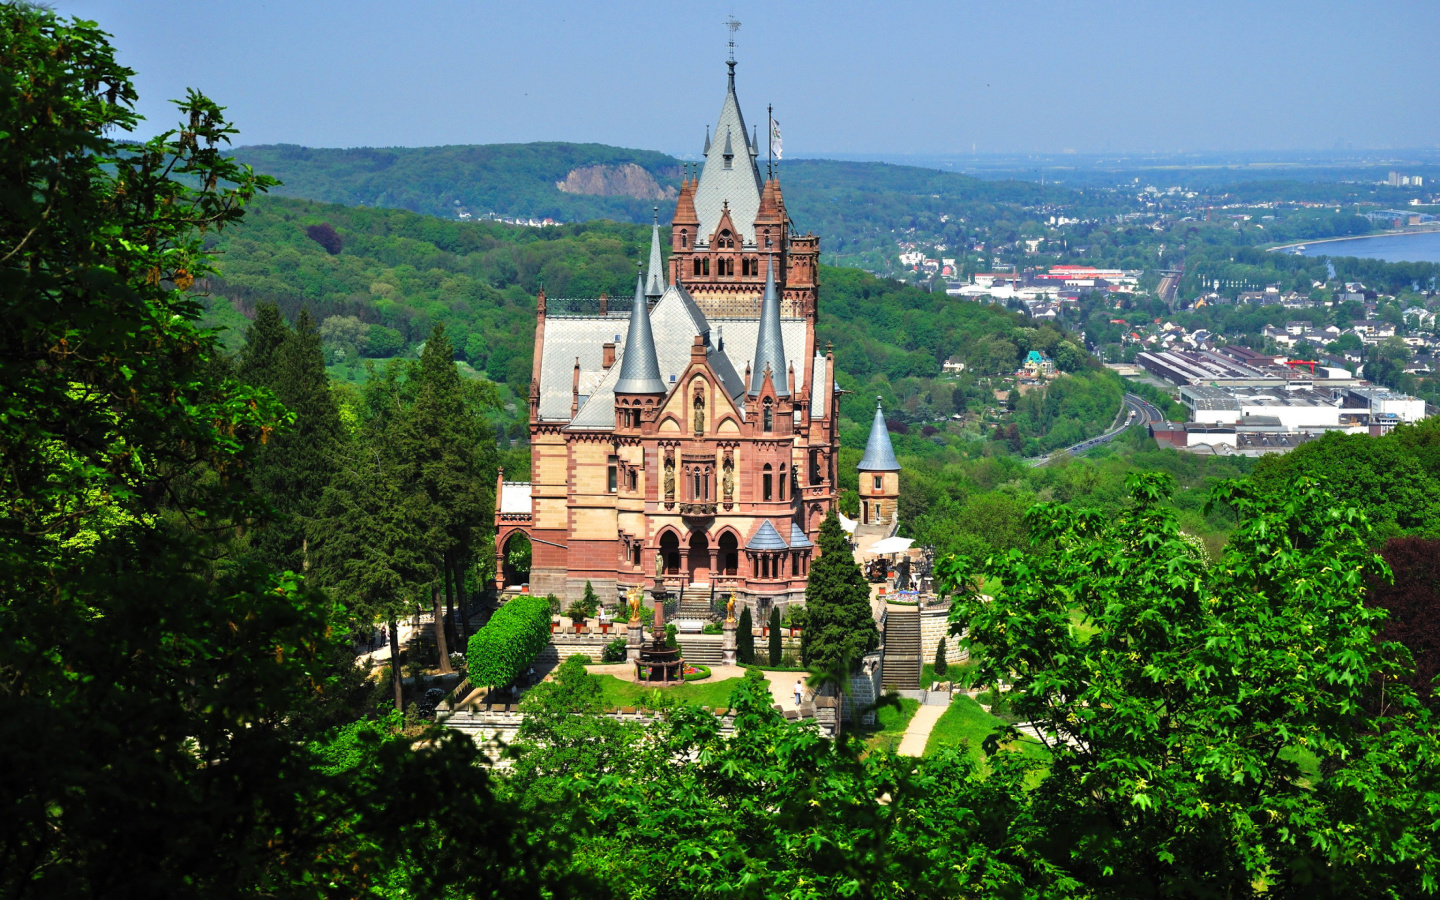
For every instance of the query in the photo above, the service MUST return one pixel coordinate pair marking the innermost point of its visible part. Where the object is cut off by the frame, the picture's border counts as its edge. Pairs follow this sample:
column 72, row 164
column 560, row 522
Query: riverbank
column 1417, row 229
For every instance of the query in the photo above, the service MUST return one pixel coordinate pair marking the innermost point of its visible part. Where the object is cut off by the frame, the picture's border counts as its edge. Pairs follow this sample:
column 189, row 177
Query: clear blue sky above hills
column 852, row 78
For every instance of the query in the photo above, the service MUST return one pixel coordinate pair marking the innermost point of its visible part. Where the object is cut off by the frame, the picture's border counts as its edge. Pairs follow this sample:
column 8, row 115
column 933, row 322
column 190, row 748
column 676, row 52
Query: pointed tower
column 655, row 275
column 640, row 368
column 879, row 475
column 769, row 343
column 729, row 176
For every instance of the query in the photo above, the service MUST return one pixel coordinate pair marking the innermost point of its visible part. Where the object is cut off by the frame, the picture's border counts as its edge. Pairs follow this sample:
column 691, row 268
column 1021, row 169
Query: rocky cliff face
column 628, row 180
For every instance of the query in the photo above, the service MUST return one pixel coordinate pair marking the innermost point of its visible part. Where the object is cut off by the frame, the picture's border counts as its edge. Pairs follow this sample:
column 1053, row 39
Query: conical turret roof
column 879, row 455
column 655, row 276
column 640, row 368
column 769, row 343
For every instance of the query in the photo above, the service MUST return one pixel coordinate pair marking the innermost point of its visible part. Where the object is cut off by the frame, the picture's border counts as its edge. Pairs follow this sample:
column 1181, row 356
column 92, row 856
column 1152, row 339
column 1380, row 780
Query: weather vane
column 733, row 24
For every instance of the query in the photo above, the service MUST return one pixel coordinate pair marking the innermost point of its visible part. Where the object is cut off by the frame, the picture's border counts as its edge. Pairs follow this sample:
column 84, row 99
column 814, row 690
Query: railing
column 587, row 306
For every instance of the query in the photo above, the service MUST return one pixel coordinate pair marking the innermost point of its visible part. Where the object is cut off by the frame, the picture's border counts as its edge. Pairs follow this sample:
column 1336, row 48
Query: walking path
column 917, row 733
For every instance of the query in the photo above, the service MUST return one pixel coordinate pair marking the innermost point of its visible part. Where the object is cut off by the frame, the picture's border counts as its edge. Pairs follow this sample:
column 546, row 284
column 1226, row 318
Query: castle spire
column 706, row 151
column 655, row 277
column 640, row 368
column 769, row 343
column 879, row 455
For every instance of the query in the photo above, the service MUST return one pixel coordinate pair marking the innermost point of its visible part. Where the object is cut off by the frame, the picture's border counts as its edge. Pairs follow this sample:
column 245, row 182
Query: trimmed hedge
column 507, row 645
column 701, row 675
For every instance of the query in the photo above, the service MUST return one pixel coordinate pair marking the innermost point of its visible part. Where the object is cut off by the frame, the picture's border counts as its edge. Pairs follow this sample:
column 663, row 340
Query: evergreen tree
column 295, row 466
column 776, row 649
column 260, row 357
column 941, row 666
column 839, row 624
column 745, row 639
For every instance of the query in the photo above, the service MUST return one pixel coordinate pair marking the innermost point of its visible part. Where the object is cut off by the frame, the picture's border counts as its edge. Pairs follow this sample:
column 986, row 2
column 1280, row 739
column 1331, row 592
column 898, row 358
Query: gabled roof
column 639, row 368
column 739, row 184
column 770, row 343
column 767, row 538
column 879, row 455
column 798, row 539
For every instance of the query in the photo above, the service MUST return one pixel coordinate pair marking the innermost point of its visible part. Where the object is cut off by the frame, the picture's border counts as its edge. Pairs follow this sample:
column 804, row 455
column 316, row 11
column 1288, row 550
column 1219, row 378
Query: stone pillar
column 634, row 637
column 728, row 643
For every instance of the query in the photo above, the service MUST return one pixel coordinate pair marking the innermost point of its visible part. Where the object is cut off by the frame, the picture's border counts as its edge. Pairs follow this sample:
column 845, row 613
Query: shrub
column 711, row 628
column 581, row 658
column 775, row 636
column 745, row 639
column 586, row 606
column 701, row 673
column 510, row 641
column 672, row 637
column 615, row 651
column 941, row 666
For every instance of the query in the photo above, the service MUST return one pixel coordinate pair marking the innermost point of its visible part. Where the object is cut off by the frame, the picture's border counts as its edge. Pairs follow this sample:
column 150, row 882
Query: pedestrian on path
column 799, row 692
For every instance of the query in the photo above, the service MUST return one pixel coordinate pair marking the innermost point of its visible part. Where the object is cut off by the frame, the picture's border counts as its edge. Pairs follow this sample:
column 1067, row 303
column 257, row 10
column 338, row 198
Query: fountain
column 659, row 664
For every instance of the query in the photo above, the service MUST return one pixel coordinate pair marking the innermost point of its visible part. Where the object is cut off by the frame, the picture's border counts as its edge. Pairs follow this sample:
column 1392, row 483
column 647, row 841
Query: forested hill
column 378, row 280
column 859, row 208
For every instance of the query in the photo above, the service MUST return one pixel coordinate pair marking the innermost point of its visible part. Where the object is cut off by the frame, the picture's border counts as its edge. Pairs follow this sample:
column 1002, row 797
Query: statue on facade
column 728, row 480
column 670, row 478
column 659, row 564
column 730, row 607
column 699, row 413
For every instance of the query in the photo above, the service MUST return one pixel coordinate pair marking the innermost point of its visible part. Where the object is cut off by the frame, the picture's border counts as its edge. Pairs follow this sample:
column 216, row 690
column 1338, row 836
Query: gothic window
column 768, row 416
column 698, row 492
column 726, row 241
column 783, row 481
column 767, row 238
column 697, row 267
column 766, row 483
column 684, row 238
column 704, row 267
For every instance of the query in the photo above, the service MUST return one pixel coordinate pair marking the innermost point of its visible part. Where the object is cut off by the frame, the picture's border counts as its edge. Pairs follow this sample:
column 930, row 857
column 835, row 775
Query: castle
column 687, row 439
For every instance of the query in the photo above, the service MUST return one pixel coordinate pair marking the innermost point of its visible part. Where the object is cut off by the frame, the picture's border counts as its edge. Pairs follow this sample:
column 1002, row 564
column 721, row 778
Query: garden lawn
column 965, row 722
column 892, row 723
column 616, row 693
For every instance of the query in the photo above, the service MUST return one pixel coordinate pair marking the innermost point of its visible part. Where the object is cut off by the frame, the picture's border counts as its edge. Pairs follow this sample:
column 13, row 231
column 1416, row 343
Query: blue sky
column 852, row 78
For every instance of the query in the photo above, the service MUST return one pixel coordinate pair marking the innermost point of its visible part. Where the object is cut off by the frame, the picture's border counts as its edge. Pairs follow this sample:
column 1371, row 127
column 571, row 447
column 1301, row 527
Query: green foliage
column 837, row 600
column 672, row 636
column 711, row 628
column 775, row 637
column 941, row 666
column 701, row 673
column 507, row 645
column 584, row 607
column 745, row 639
column 1229, row 667
column 615, row 651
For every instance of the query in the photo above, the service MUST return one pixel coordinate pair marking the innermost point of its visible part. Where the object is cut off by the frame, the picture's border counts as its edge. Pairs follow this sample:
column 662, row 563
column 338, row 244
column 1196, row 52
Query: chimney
column 607, row 354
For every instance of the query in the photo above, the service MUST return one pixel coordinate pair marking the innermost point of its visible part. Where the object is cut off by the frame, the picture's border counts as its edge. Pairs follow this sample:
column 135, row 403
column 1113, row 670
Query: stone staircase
column 902, row 649
column 701, row 649
column 695, row 603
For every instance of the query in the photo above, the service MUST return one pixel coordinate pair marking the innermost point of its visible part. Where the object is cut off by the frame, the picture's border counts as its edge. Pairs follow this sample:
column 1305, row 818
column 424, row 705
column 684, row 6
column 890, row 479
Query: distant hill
column 861, row 209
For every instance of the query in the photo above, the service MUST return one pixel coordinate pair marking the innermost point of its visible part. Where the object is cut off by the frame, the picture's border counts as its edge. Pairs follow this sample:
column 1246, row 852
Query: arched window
column 726, row 240
column 783, row 481
column 698, row 493
column 768, row 416
column 767, row 485
column 684, row 238
column 767, row 238
column 704, row 267
column 697, row 267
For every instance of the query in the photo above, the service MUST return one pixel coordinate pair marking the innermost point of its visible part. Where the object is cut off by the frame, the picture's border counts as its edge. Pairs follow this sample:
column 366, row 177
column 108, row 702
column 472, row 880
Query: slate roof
column 655, row 274
column 798, row 539
column 770, row 342
column 817, row 389
column 740, row 184
column 767, row 538
column 879, row 455
column 639, row 369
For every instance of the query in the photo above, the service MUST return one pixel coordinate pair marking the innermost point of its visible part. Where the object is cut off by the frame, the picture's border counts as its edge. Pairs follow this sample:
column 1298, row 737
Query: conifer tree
column 260, row 357
column 776, row 649
column 941, row 666
column 839, row 624
column 745, row 639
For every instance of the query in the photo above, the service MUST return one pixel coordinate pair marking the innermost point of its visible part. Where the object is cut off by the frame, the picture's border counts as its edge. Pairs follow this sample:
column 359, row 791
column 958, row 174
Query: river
column 1420, row 246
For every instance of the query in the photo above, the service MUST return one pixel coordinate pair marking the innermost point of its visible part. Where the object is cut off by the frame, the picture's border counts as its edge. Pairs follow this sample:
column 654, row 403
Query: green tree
column 745, row 639
column 941, row 666
column 1209, row 725
column 839, row 623
column 776, row 645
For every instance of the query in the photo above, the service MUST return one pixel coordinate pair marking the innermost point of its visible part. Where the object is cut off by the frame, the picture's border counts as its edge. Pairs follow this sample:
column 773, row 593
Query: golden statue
column 636, row 598
column 730, row 607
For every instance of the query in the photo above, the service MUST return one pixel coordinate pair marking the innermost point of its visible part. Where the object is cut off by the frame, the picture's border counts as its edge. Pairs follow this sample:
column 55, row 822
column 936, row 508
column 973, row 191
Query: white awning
column 890, row 545
column 847, row 524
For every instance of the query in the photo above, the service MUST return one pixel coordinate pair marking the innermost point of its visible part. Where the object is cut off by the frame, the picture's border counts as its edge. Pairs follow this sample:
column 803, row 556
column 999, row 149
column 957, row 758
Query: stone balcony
column 698, row 510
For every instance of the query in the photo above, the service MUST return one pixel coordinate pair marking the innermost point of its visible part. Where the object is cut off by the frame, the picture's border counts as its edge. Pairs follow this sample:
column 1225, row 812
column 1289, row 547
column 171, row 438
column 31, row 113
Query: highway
column 1137, row 410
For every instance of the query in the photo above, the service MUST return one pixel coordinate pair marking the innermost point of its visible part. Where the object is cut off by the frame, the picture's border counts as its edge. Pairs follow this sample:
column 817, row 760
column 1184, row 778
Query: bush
column 585, row 607
column 941, row 666
column 745, row 639
column 581, row 658
column 711, row 628
column 672, row 637
column 615, row 651
column 702, row 673
column 507, row 645
column 775, row 636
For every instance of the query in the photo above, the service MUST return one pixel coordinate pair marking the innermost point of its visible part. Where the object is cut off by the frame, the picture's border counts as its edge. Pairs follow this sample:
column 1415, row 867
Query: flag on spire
column 776, row 145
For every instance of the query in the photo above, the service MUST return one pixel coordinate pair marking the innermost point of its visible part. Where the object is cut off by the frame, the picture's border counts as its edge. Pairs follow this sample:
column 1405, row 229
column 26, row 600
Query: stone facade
column 654, row 461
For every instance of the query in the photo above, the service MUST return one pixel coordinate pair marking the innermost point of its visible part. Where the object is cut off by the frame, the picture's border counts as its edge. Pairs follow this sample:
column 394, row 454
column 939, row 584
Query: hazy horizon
column 927, row 79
